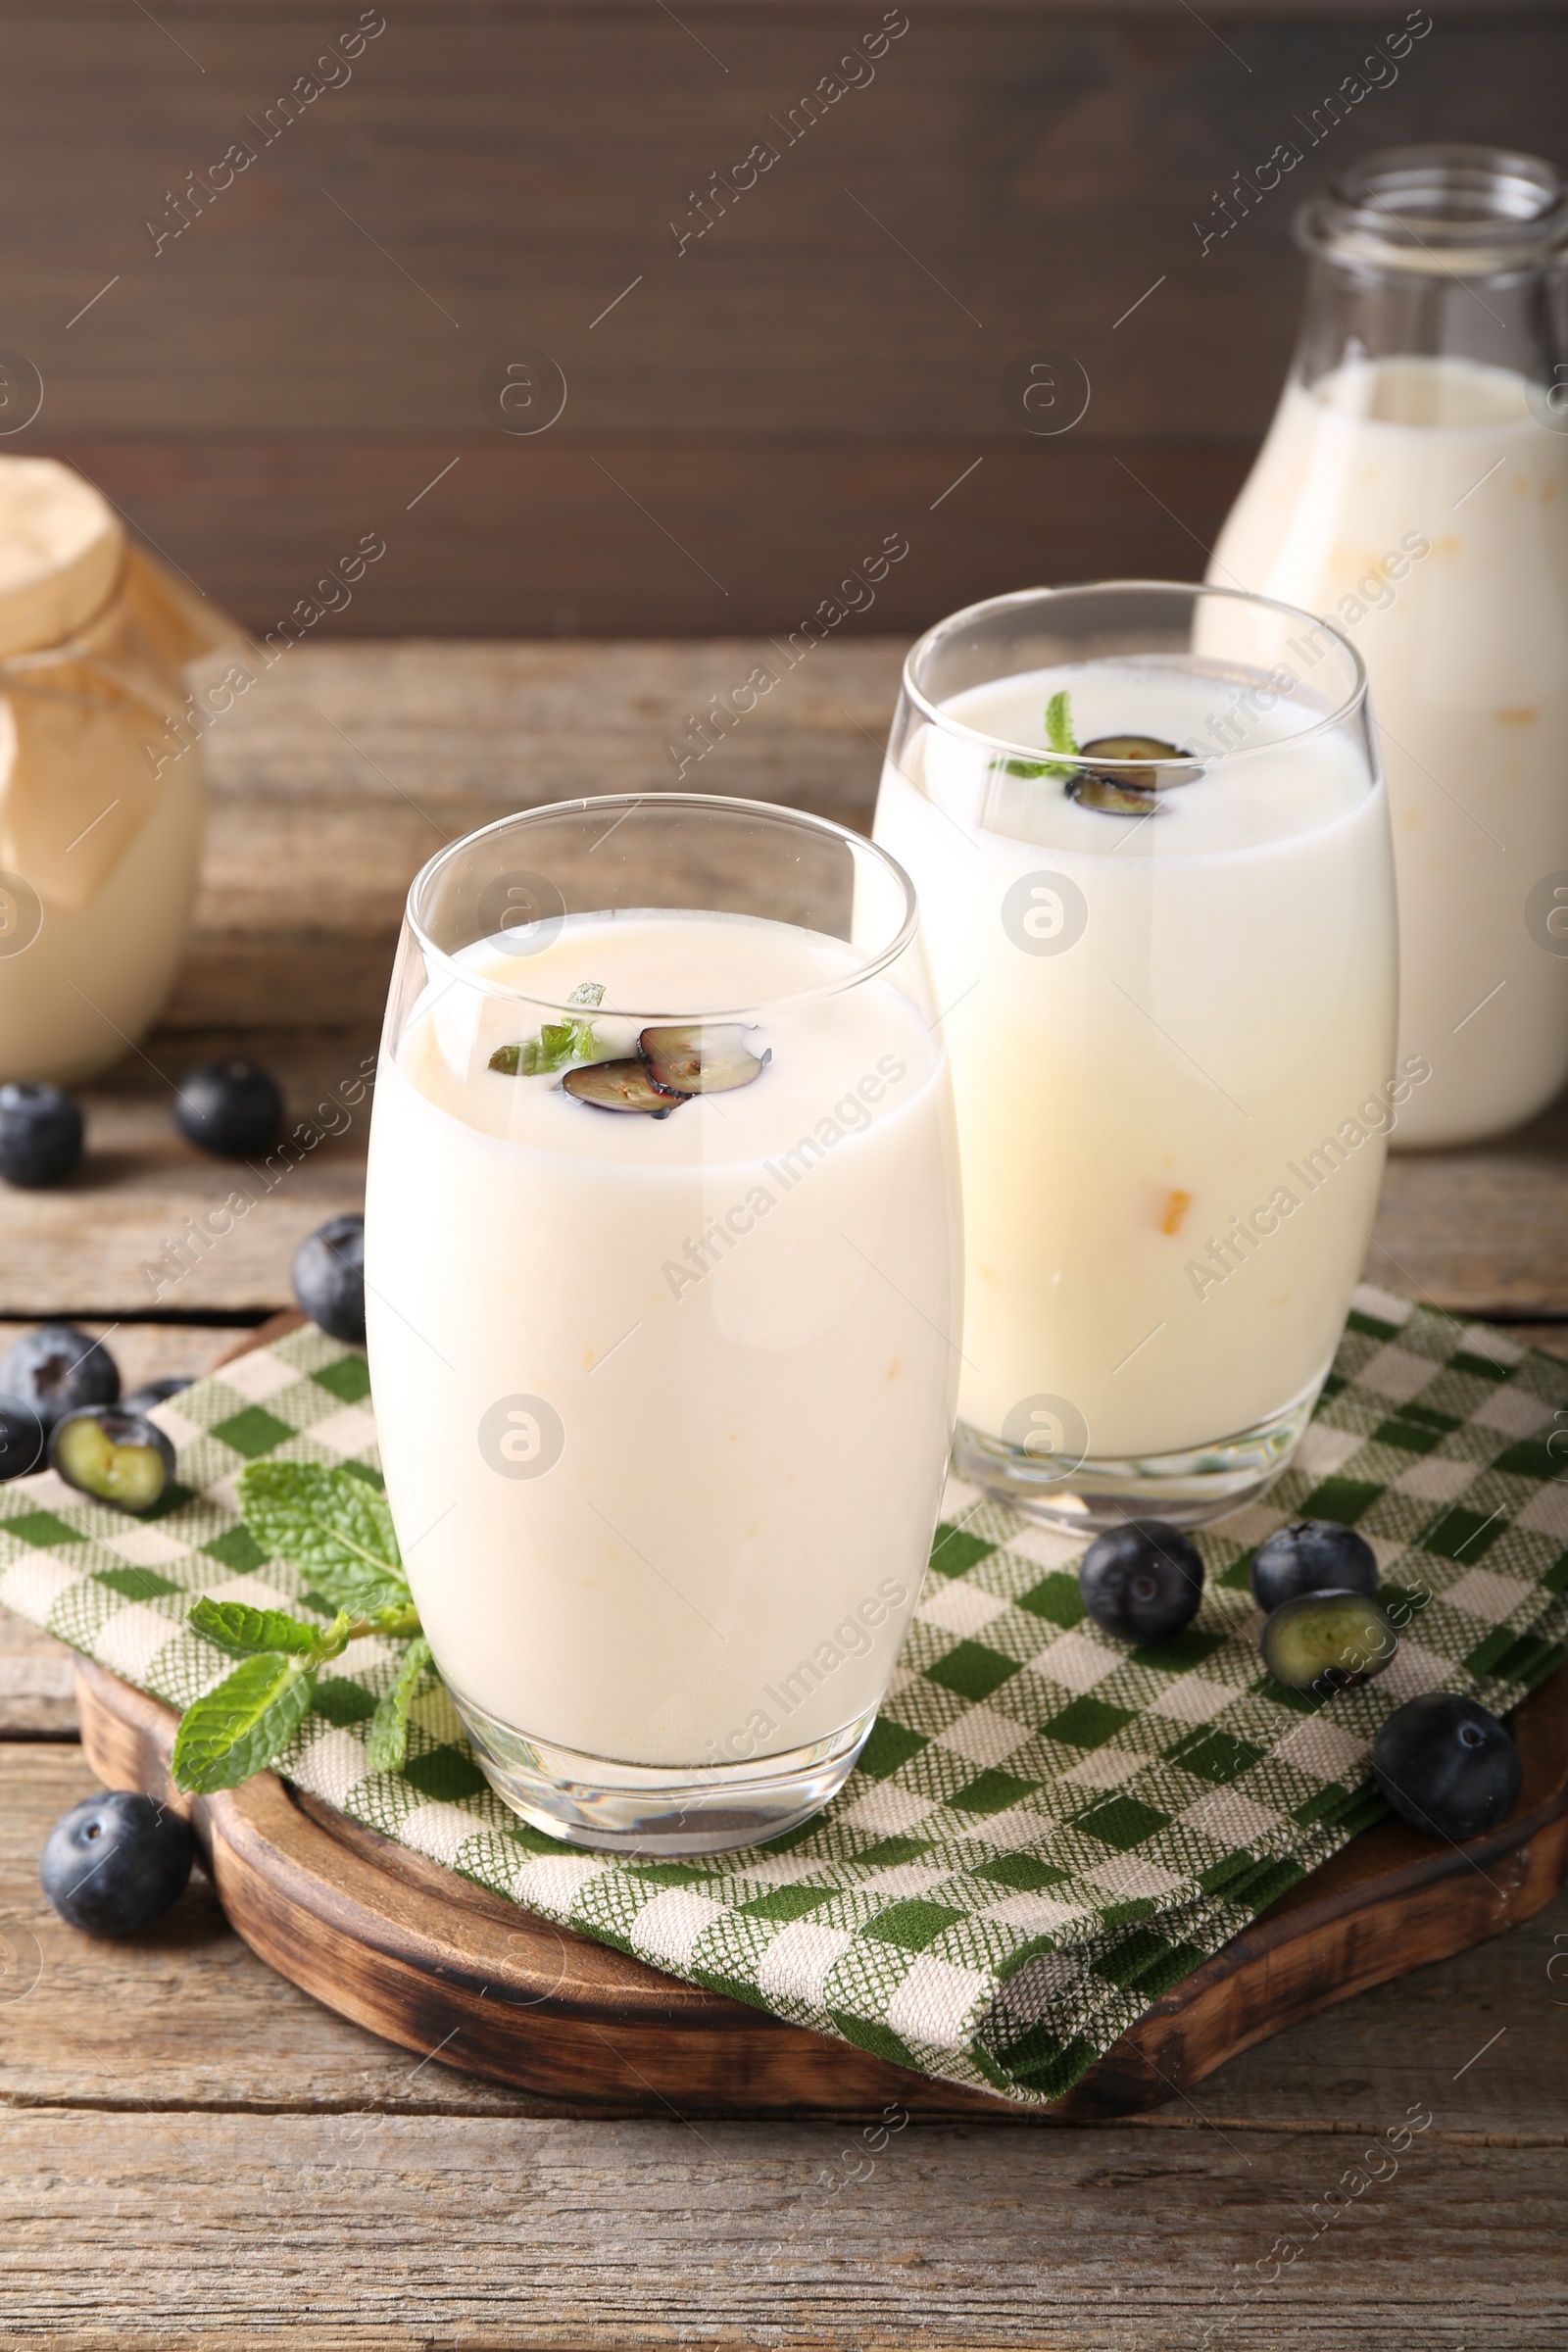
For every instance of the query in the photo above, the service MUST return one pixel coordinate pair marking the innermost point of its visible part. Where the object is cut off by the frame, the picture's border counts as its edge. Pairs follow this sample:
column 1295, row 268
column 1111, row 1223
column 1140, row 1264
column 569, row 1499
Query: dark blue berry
column 229, row 1108
column 54, row 1369
column 329, row 1278
column 40, row 1132
column 1142, row 1582
column 1448, row 1766
column 115, row 1456
column 115, row 1863
column 1312, row 1556
column 1328, row 1641
column 155, row 1391
column 22, row 1439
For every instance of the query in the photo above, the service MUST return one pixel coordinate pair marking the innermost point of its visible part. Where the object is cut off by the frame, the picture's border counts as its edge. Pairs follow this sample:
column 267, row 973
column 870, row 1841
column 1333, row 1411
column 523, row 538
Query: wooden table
column 192, row 2154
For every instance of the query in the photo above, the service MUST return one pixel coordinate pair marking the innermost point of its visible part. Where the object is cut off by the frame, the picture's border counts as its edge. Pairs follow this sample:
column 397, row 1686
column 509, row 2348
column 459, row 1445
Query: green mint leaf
column 387, row 1744
column 240, row 1728
column 1029, row 767
column 1059, row 723
column 243, row 1631
column 559, row 1043
column 331, row 1525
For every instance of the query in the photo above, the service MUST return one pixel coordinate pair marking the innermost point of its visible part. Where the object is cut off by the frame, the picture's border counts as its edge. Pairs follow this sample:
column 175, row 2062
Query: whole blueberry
column 1142, row 1582
column 155, row 1391
column 115, row 1863
column 22, row 1439
column 1312, row 1556
column 56, row 1368
column 1446, row 1765
column 229, row 1108
column 329, row 1278
column 40, row 1132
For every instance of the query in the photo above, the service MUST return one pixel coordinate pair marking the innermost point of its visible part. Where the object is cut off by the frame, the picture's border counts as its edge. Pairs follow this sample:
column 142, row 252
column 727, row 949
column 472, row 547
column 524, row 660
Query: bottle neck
column 1436, row 254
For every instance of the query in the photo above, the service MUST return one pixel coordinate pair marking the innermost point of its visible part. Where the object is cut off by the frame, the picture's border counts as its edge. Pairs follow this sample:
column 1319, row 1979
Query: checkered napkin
column 1045, row 1830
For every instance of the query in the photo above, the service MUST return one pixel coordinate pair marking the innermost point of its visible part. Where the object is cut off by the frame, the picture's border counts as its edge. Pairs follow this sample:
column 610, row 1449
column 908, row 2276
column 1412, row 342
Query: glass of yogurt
column 662, row 1296
column 1148, row 829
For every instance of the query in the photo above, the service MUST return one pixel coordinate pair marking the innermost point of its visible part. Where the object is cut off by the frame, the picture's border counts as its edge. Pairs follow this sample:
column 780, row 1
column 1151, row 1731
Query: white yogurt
column 1417, row 503
column 1226, row 1005
column 739, row 1316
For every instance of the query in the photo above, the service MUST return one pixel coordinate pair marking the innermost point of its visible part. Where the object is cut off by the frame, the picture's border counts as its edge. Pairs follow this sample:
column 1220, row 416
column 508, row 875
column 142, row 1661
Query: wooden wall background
column 845, row 343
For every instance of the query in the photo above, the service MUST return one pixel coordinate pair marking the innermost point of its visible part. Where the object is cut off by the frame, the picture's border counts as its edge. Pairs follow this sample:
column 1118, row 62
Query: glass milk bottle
column 1413, row 490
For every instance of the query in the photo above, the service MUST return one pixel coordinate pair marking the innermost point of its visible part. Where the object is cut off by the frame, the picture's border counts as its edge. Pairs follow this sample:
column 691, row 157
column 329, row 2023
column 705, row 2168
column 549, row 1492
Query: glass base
column 1187, row 1489
column 660, row 1808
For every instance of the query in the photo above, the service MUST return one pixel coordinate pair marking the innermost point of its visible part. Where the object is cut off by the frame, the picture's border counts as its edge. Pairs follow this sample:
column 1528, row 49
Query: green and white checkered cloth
column 1045, row 1830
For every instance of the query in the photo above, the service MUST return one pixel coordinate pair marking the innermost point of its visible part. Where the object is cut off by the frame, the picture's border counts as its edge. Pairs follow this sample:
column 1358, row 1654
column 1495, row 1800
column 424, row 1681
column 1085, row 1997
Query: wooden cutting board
column 401, row 1945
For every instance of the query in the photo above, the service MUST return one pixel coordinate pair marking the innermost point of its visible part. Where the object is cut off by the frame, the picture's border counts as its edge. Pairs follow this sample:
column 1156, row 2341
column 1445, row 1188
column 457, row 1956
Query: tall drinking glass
column 1148, row 829
column 662, row 1296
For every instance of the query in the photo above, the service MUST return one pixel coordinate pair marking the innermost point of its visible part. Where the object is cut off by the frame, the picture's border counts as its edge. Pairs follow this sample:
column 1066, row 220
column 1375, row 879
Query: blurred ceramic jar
column 101, row 786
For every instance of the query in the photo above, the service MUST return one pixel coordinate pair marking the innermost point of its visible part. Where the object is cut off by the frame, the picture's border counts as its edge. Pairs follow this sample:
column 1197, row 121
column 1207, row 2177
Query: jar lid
column 62, row 549
column 1439, row 211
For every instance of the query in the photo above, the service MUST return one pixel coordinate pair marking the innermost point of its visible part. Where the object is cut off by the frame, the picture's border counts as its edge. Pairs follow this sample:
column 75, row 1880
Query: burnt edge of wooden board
column 404, row 1946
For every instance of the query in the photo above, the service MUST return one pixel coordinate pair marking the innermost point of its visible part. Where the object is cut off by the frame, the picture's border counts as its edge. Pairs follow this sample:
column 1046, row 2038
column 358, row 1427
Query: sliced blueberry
column 1447, row 1765
column 54, row 1369
column 621, row 1086
column 1142, row 1582
column 1312, row 1556
column 229, row 1108
column 115, row 1456
column 1119, row 782
column 701, row 1057
column 22, row 1440
column 115, row 1863
column 329, row 1278
column 1328, row 1641
column 155, row 1391
column 40, row 1132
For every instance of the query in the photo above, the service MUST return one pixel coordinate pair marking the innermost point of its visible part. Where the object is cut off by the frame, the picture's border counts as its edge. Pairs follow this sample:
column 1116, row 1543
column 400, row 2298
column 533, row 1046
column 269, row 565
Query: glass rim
column 801, row 821
column 1508, row 211
column 940, row 716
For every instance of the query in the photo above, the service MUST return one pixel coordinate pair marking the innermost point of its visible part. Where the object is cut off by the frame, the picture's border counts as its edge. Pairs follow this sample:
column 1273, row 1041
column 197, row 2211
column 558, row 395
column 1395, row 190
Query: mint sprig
column 1060, row 737
column 338, row 1529
column 559, row 1046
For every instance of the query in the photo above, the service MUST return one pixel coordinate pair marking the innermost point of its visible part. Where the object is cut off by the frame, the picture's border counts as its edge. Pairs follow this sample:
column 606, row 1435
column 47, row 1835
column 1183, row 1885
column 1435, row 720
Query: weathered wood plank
column 262, row 386
column 187, row 2017
column 217, row 2229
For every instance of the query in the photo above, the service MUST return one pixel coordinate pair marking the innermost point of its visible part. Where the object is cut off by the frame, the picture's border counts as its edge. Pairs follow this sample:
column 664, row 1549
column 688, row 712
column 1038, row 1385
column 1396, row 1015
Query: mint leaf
column 242, row 1631
column 240, row 1728
column 331, row 1525
column 559, row 1043
column 387, row 1744
column 1059, row 723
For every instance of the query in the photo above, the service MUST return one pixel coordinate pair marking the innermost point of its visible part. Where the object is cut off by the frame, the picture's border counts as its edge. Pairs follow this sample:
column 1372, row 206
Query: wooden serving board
column 424, row 1958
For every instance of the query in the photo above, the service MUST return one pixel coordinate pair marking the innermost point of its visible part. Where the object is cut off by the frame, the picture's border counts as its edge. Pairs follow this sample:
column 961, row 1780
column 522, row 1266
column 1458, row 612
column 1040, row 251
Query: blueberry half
column 54, row 1369
column 329, row 1278
column 1328, row 1641
column 113, row 1455
column 1448, row 1766
column 115, row 1863
column 40, row 1132
column 1312, row 1556
column 1142, row 1582
column 229, row 1108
